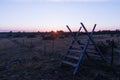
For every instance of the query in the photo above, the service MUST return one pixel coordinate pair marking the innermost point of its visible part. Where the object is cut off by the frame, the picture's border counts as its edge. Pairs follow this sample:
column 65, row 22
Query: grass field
column 37, row 59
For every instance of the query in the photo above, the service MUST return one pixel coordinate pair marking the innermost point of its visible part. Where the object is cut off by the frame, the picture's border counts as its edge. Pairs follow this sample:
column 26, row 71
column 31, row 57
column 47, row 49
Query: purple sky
column 47, row 15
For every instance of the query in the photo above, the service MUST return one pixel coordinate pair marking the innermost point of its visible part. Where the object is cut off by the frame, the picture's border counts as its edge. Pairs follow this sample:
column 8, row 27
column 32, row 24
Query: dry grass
column 40, row 60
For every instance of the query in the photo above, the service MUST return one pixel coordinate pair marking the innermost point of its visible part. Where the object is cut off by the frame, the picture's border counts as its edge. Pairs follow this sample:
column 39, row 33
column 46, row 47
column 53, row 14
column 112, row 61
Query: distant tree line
column 23, row 34
column 117, row 31
column 53, row 35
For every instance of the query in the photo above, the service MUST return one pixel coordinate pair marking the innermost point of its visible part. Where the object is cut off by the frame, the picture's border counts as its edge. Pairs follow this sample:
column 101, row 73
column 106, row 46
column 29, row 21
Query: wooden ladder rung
column 92, row 52
column 73, row 57
column 82, row 43
column 69, row 63
column 91, row 44
column 91, row 48
column 93, row 55
column 74, row 50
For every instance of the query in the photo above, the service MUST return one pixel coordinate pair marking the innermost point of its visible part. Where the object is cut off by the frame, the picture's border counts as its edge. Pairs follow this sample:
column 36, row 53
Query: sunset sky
column 48, row 15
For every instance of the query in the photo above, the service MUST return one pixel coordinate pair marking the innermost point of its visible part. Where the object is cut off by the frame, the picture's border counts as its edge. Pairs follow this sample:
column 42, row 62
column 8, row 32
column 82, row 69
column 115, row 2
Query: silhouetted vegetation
column 48, row 36
column 112, row 32
column 53, row 35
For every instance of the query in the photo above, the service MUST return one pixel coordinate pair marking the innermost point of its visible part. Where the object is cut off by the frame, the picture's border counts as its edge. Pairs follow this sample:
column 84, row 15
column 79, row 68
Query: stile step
column 73, row 57
column 92, row 52
column 81, row 47
column 85, row 44
column 74, row 50
column 69, row 63
column 93, row 55
column 90, row 48
column 90, row 44
column 99, row 57
column 82, row 43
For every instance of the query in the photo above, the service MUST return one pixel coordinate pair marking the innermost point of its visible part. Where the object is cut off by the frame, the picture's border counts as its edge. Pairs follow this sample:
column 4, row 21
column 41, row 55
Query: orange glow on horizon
column 55, row 32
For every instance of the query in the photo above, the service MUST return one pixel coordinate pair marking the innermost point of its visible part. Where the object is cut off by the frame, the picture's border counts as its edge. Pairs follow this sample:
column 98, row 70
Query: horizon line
column 2, row 31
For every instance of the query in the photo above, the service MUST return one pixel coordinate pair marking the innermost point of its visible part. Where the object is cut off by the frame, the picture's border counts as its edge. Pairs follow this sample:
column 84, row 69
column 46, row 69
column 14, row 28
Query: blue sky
column 47, row 15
